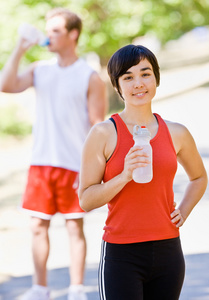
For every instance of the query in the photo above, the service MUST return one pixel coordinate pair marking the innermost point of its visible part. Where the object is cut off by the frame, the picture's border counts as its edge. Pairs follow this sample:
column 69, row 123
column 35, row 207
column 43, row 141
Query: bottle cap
column 141, row 131
column 44, row 42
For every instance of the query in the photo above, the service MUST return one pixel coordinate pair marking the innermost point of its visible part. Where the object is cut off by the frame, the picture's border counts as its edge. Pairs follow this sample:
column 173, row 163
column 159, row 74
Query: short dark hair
column 129, row 56
column 72, row 21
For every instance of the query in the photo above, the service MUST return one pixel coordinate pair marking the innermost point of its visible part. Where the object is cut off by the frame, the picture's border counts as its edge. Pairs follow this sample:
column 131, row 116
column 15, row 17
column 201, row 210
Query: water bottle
column 142, row 137
column 32, row 34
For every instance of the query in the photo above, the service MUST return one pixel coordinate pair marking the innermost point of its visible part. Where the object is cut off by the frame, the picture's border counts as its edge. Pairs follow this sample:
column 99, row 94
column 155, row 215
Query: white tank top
column 62, row 121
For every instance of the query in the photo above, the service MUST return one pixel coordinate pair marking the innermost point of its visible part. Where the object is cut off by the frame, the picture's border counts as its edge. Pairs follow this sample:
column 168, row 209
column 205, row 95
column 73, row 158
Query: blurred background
column 177, row 31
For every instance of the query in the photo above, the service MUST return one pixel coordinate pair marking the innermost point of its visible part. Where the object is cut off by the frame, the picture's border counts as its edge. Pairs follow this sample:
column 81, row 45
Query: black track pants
column 141, row 271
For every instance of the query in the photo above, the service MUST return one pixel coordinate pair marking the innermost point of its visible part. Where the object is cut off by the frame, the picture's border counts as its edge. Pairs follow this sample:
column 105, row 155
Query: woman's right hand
column 135, row 158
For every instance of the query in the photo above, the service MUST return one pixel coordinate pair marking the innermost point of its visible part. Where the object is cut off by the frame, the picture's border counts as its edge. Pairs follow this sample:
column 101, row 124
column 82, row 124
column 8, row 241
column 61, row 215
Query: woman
column 141, row 252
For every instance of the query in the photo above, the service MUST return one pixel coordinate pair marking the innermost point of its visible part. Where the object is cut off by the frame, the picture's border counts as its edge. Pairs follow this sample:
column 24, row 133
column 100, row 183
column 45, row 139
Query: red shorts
column 50, row 190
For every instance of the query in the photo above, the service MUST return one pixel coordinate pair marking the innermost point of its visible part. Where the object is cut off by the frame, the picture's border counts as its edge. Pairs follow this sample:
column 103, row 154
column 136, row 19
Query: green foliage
column 108, row 25
column 13, row 124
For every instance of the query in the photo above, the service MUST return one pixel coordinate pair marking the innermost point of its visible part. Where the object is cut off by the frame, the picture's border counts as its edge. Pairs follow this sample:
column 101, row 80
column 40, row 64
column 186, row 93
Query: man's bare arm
column 97, row 99
column 11, row 81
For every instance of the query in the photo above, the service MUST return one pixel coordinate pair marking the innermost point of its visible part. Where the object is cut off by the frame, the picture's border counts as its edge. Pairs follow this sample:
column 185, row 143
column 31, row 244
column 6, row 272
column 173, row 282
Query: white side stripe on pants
column 101, row 272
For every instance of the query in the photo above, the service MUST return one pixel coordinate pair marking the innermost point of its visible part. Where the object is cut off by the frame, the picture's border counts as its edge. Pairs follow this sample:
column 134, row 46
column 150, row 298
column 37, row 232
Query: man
column 70, row 99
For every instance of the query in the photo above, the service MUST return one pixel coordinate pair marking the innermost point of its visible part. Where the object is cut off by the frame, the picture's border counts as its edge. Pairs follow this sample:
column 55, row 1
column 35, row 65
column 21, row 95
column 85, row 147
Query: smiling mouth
column 139, row 94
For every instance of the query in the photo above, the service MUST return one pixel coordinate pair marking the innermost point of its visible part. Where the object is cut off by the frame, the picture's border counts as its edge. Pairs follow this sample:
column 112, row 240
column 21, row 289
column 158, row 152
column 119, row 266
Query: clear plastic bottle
column 142, row 138
column 32, row 34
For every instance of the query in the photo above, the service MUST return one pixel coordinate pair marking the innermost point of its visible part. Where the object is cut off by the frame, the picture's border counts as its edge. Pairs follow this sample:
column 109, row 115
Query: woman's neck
column 142, row 117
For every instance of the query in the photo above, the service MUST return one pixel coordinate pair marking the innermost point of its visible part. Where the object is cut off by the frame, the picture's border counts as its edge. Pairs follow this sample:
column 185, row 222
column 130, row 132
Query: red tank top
column 141, row 212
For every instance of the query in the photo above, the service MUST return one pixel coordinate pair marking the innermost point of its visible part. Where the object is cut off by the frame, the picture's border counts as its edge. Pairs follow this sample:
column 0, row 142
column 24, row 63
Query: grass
column 13, row 122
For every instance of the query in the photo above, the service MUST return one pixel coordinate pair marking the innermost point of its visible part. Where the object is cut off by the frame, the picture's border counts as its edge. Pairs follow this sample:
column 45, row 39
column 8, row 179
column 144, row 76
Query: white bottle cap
column 141, row 131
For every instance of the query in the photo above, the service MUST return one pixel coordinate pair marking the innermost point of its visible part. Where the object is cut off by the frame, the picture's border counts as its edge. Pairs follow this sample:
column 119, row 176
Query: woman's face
column 138, row 84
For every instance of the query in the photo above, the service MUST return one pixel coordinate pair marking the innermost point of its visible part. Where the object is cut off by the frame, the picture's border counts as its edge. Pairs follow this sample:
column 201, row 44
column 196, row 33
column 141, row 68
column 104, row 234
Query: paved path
column 191, row 109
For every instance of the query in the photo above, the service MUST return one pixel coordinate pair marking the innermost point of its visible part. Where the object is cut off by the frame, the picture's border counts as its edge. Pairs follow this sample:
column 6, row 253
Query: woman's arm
column 99, row 145
column 189, row 157
column 92, row 192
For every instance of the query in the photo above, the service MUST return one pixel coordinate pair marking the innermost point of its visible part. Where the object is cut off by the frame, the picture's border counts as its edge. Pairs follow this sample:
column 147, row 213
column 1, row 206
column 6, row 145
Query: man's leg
column 40, row 249
column 77, row 250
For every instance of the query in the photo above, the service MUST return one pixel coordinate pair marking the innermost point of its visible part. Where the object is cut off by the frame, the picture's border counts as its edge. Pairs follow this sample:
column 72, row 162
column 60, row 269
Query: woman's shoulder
column 102, row 138
column 104, row 128
column 180, row 134
column 176, row 127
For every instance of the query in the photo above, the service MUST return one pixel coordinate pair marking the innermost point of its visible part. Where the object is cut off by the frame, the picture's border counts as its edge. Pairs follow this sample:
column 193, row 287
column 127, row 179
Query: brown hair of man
column 72, row 21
